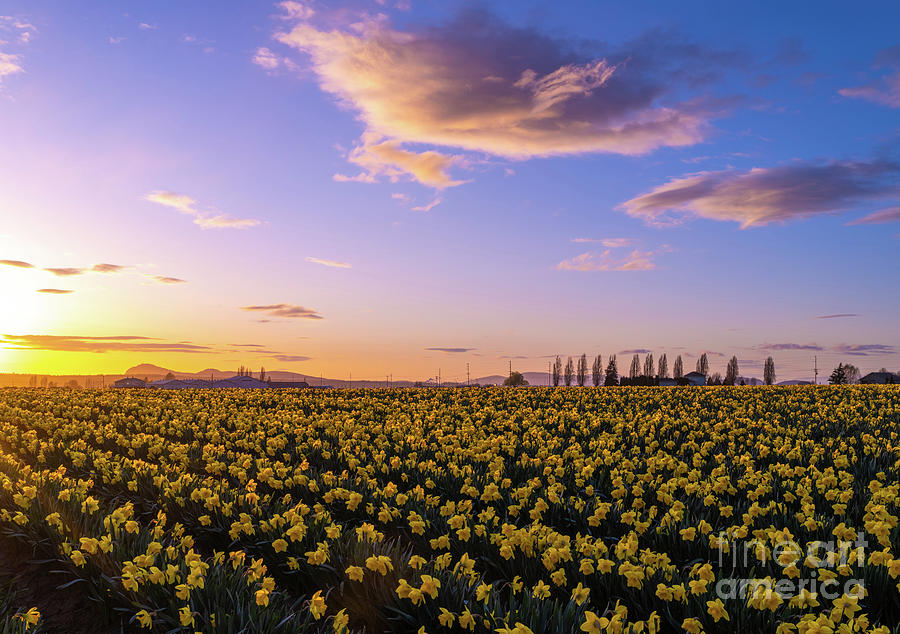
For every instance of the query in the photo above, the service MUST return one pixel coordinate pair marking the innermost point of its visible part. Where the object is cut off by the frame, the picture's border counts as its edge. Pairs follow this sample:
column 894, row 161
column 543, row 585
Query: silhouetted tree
column 663, row 367
column 262, row 374
column 597, row 371
column 612, row 372
column 515, row 379
column 703, row 364
column 72, row 384
column 852, row 373
column 838, row 376
column 678, row 368
column 581, row 372
column 648, row 366
column 731, row 371
column 715, row 379
column 557, row 371
column 569, row 372
column 769, row 371
column 170, row 376
column 635, row 370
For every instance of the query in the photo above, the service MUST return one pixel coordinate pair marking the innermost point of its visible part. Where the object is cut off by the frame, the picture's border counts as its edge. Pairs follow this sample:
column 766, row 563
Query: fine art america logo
column 829, row 560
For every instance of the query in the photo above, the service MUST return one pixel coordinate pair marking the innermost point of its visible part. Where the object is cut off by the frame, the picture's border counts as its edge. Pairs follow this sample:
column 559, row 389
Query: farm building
column 880, row 378
column 288, row 384
column 665, row 382
column 695, row 378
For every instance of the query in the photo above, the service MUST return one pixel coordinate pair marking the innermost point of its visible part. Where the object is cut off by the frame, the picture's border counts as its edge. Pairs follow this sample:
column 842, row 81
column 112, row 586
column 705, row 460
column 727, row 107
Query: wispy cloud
column 266, row 58
column 891, row 214
column 17, row 263
column 607, row 261
column 863, row 350
column 108, row 268
column 65, row 272
column 146, row 26
column 163, row 279
column 10, row 64
column 331, row 263
column 450, row 350
column 790, row 346
column 289, row 311
column 885, row 90
column 636, row 351
column 54, row 291
column 128, row 343
column 290, row 358
column 428, row 207
column 837, row 316
column 22, row 31
column 205, row 219
column 480, row 85
column 610, row 243
column 764, row 195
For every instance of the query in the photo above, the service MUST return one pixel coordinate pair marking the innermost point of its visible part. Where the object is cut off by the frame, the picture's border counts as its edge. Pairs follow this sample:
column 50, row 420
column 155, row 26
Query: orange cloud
column 108, row 268
column 18, row 263
column 65, row 272
column 54, row 291
column 388, row 159
column 207, row 220
column 482, row 86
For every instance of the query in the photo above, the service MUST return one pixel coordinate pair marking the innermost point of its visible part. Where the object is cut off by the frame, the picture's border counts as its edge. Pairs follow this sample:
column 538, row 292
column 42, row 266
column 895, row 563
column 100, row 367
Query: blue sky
column 721, row 152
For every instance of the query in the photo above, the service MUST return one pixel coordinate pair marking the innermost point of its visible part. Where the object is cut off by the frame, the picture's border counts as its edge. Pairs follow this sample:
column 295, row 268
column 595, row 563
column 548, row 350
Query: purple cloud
column 764, row 195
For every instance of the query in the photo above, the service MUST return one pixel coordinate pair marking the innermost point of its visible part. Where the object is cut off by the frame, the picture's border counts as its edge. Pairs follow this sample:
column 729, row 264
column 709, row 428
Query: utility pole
column 510, row 367
column 816, row 361
column 549, row 380
column 468, row 378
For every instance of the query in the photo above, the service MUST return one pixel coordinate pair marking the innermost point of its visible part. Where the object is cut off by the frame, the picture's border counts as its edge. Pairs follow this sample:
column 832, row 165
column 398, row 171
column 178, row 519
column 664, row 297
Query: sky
column 407, row 186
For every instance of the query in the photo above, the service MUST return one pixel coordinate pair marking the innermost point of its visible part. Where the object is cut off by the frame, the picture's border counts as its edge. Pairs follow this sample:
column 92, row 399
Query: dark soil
column 32, row 585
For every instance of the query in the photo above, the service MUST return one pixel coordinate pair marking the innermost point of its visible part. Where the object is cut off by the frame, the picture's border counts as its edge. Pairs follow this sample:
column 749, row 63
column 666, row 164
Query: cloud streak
column 108, row 268
column 65, row 272
column 331, row 263
column 449, row 350
column 162, row 279
column 837, row 316
column 610, row 243
column 17, row 263
column 54, row 291
column 762, row 196
column 288, row 311
column 791, row 346
column 885, row 90
column 204, row 219
column 128, row 343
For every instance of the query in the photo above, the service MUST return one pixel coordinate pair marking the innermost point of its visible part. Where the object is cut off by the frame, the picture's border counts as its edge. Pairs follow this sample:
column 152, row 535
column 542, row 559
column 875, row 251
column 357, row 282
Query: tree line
column 648, row 372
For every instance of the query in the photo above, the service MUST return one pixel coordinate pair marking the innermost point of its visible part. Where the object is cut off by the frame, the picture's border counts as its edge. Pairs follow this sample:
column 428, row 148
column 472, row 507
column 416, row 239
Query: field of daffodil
column 455, row 510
